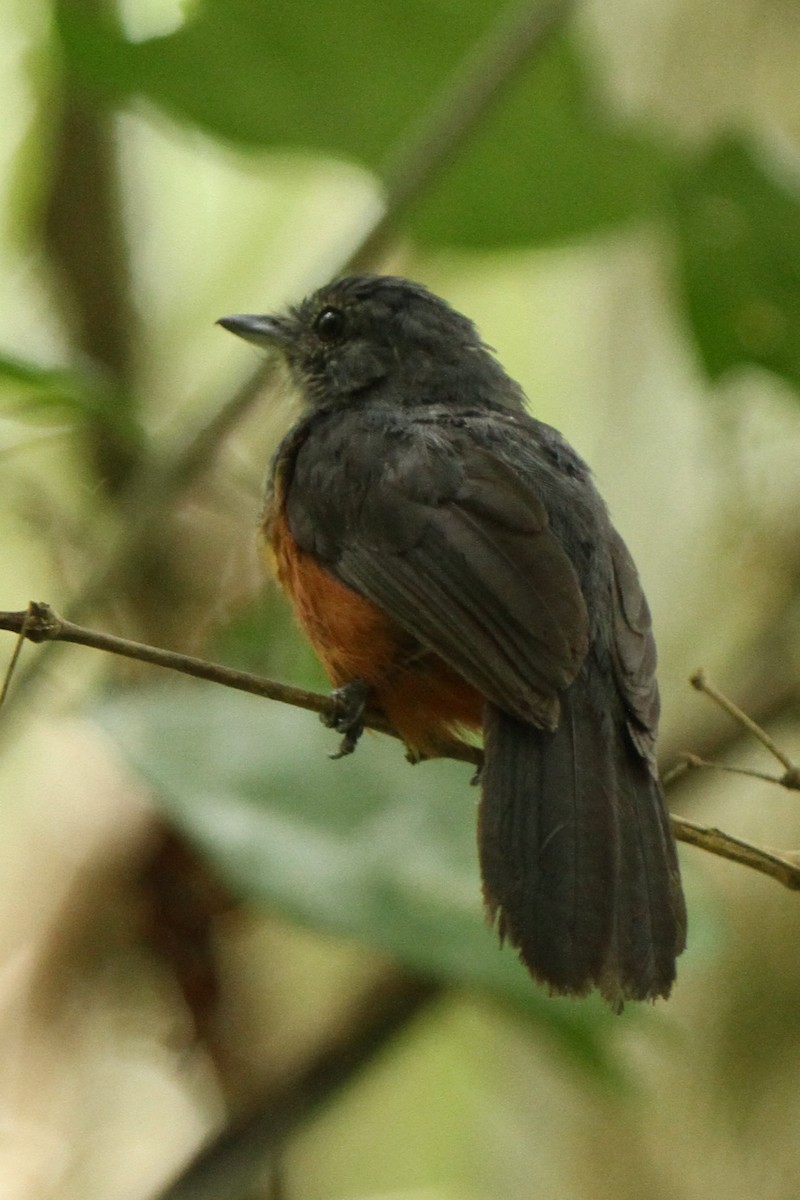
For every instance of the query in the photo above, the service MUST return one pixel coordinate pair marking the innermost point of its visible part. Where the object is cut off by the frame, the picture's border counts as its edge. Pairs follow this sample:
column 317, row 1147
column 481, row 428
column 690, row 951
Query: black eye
column 329, row 325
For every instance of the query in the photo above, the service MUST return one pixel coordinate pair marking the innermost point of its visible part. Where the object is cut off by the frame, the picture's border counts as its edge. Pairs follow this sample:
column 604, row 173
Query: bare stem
column 691, row 762
column 22, row 634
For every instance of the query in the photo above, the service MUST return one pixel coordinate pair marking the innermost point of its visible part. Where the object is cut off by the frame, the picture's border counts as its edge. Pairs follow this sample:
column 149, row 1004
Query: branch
column 39, row 623
column 783, row 865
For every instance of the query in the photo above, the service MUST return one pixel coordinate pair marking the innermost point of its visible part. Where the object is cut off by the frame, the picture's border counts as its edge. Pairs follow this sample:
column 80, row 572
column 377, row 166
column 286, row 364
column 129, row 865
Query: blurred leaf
column 351, row 79
column 344, row 78
column 549, row 163
column 739, row 231
column 50, row 385
column 367, row 847
column 48, row 390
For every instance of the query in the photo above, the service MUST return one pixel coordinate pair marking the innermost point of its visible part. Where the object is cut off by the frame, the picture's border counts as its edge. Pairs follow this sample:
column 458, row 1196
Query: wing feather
column 456, row 546
column 634, row 650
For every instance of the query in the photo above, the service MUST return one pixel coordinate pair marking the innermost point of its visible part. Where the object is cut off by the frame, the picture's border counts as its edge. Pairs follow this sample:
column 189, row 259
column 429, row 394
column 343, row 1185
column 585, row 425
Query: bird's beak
column 262, row 331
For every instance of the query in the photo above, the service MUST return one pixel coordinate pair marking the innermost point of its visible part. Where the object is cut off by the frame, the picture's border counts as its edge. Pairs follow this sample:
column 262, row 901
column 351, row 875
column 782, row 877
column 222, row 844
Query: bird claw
column 347, row 715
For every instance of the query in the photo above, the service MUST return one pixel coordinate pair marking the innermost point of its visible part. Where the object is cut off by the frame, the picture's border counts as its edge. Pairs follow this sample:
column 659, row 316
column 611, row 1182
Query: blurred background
column 201, row 917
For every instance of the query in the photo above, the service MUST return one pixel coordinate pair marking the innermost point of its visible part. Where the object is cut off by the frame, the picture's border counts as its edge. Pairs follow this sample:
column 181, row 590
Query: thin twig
column 700, row 681
column 22, row 634
column 689, row 762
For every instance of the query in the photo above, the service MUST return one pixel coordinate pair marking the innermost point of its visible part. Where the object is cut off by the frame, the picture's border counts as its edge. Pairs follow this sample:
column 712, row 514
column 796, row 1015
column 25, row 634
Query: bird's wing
column 456, row 546
column 634, row 650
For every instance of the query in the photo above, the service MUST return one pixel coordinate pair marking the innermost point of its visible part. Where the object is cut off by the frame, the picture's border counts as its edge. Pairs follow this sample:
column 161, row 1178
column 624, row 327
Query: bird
column 455, row 568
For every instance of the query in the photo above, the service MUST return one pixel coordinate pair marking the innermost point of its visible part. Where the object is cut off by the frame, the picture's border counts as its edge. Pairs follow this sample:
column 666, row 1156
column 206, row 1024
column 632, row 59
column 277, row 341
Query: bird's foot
column 347, row 715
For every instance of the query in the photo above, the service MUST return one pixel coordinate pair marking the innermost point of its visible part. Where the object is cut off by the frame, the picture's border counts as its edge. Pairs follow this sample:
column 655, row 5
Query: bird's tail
column 578, row 861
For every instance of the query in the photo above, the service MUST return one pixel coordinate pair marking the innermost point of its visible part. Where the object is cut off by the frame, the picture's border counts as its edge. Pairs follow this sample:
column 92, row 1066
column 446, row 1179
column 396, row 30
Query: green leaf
column 343, row 78
column 351, row 79
column 47, row 391
column 367, row 847
column 51, row 384
column 739, row 241
column 548, row 163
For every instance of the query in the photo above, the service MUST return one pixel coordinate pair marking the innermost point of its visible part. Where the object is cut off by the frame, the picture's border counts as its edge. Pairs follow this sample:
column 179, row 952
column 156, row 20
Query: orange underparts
column 421, row 696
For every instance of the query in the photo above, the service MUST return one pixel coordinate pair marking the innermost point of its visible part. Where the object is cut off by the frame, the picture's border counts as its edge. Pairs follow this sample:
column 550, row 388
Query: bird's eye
column 329, row 325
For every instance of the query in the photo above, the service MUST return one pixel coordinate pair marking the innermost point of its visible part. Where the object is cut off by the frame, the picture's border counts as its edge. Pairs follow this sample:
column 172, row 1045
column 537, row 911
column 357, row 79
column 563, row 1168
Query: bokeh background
column 200, row 915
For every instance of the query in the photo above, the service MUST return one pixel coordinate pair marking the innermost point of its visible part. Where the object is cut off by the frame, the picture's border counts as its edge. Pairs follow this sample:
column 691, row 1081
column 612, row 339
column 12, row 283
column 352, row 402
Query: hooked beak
column 262, row 331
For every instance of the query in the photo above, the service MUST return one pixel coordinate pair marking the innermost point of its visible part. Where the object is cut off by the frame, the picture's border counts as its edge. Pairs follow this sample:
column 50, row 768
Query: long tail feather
column 578, row 862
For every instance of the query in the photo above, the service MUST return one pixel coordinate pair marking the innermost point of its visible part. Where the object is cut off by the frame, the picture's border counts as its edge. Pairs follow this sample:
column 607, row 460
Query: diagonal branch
column 39, row 623
column 783, row 865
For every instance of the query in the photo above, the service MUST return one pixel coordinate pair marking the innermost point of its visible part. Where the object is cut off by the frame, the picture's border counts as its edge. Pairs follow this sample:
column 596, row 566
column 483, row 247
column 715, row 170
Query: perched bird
column 454, row 566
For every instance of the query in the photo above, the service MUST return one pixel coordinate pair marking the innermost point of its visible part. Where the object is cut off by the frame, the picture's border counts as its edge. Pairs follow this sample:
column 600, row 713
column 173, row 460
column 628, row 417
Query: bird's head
column 379, row 335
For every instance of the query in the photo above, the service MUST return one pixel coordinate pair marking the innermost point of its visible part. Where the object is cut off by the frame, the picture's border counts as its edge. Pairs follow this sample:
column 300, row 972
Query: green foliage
column 550, row 161
column 361, row 847
column 48, row 392
column 47, row 387
column 739, row 229
column 344, row 79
